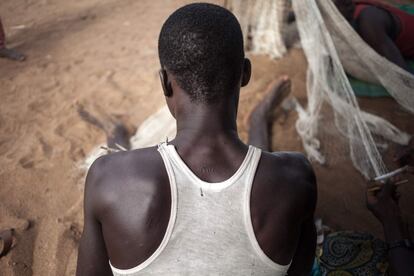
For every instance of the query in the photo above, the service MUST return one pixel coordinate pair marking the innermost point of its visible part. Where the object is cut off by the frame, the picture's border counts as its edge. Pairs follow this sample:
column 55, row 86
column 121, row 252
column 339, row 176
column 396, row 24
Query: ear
column 165, row 83
column 247, row 72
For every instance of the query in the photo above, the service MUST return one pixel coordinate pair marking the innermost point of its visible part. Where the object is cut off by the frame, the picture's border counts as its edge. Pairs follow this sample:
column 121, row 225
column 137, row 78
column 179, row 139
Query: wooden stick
column 379, row 186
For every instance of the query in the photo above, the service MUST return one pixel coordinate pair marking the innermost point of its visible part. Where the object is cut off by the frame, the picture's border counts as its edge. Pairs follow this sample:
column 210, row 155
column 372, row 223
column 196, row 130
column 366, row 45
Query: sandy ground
column 102, row 55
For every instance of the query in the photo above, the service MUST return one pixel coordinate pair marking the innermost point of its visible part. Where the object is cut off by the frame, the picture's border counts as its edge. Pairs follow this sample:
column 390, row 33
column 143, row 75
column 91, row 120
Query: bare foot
column 11, row 54
column 277, row 91
column 261, row 117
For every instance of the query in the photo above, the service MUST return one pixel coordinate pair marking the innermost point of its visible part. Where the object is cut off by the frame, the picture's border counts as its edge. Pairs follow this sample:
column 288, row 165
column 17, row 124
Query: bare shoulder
column 293, row 167
column 121, row 165
column 289, row 177
column 111, row 177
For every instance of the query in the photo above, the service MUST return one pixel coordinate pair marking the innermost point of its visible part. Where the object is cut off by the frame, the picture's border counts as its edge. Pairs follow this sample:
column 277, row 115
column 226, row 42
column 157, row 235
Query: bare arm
column 384, row 206
column 400, row 258
column 92, row 256
column 305, row 253
column 374, row 28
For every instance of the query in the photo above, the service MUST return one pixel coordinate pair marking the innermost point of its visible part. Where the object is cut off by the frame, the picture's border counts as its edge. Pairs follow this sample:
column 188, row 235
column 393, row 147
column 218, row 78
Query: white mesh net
column 262, row 25
column 332, row 126
column 359, row 59
column 323, row 30
column 324, row 34
column 158, row 127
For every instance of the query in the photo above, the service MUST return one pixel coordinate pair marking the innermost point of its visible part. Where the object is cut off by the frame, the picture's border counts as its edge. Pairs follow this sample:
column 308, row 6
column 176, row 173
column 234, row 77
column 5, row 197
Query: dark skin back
column 378, row 28
column 127, row 194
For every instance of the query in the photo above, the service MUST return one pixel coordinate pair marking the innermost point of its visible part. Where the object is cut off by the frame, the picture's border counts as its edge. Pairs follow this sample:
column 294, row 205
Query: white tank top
column 210, row 230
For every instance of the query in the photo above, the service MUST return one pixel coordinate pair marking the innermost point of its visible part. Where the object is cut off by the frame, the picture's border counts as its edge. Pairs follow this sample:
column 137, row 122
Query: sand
column 102, row 55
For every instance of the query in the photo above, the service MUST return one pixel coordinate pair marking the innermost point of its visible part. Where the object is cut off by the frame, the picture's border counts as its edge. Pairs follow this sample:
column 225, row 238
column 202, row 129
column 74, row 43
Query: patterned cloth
column 352, row 253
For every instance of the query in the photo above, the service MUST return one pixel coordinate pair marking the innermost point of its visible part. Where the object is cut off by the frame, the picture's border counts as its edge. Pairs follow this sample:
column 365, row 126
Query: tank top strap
column 165, row 157
column 253, row 163
column 209, row 233
column 177, row 166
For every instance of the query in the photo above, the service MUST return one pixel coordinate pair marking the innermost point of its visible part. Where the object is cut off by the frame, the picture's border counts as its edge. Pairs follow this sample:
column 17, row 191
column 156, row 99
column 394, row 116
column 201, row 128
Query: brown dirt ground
column 102, row 55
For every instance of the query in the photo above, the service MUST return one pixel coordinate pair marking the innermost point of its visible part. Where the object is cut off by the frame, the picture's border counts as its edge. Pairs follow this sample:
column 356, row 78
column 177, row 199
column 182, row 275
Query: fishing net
column 262, row 23
column 332, row 126
column 158, row 127
column 327, row 39
column 360, row 60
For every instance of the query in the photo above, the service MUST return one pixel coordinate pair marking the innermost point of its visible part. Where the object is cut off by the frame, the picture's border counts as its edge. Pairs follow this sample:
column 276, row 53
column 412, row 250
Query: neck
column 201, row 122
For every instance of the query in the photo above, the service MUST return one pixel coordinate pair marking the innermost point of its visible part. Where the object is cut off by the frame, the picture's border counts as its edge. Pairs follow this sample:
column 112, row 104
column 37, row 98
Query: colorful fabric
column 316, row 269
column 352, row 253
column 408, row 8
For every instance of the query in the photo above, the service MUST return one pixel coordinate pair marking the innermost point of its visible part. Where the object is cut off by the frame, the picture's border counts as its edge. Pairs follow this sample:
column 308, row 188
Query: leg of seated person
column 261, row 118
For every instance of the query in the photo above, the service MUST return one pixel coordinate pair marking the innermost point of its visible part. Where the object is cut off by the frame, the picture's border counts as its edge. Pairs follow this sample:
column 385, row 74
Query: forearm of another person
column 384, row 206
column 401, row 258
column 387, row 48
column 373, row 32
